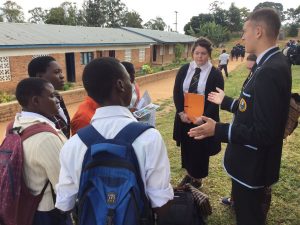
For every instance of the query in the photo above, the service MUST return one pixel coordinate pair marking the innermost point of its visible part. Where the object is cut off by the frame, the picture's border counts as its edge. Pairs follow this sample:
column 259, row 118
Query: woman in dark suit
column 195, row 154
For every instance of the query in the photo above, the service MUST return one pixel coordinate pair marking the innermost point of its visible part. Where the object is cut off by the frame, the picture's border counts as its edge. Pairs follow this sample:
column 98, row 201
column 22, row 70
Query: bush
column 293, row 30
column 68, row 85
column 5, row 97
column 178, row 50
column 146, row 69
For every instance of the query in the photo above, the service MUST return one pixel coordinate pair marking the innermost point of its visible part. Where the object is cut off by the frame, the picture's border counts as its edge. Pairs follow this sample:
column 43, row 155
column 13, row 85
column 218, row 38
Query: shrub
column 68, row 85
column 146, row 69
column 5, row 97
column 178, row 50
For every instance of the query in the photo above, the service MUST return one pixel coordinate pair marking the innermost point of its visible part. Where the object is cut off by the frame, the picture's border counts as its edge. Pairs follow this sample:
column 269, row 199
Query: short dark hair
column 204, row 43
column 251, row 57
column 29, row 87
column 271, row 19
column 39, row 65
column 130, row 69
column 224, row 50
column 99, row 77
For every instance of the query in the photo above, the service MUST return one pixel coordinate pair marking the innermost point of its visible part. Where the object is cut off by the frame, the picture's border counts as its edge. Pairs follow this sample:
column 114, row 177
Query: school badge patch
column 242, row 105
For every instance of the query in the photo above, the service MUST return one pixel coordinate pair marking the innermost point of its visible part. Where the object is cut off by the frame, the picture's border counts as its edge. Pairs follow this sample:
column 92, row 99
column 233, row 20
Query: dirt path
column 159, row 90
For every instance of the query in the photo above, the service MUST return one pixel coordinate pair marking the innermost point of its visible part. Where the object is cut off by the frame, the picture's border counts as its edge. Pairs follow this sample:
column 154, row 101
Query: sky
column 150, row 9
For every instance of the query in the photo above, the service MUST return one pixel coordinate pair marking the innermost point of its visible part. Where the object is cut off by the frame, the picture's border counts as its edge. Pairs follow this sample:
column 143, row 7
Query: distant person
column 223, row 62
column 200, row 77
column 47, row 67
column 255, row 137
column 108, row 83
column 41, row 151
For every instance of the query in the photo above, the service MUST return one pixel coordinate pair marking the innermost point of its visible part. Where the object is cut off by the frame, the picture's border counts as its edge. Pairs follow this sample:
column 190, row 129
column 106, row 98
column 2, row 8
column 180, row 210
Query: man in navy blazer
column 255, row 136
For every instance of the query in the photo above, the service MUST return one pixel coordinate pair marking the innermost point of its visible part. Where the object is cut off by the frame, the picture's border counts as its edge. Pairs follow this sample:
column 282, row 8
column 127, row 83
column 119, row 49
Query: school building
column 73, row 47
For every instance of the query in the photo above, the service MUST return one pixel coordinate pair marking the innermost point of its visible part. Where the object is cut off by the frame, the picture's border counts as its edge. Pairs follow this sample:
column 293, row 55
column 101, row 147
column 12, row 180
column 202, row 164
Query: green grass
column 285, row 207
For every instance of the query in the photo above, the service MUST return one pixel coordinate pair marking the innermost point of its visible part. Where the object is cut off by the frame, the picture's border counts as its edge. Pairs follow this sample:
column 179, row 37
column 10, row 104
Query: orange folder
column 193, row 105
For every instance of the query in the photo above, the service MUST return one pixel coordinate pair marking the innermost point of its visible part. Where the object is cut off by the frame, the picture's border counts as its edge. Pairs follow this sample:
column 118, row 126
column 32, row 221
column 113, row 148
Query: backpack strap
column 89, row 135
column 37, row 128
column 130, row 132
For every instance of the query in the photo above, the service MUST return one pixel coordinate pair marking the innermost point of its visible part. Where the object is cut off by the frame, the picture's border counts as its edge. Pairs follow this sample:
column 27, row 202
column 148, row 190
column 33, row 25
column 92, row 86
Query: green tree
column 94, row 12
column 292, row 30
column 114, row 11
column 195, row 22
column 215, row 32
column 132, row 19
column 234, row 18
column 155, row 24
column 244, row 12
column 56, row 16
column 178, row 50
column 277, row 6
column 38, row 15
column 12, row 12
column 219, row 14
column 293, row 15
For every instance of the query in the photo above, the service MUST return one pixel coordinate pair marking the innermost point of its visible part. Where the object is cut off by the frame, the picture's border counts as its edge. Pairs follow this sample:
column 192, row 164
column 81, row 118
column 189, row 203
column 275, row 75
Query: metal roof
column 29, row 35
column 162, row 36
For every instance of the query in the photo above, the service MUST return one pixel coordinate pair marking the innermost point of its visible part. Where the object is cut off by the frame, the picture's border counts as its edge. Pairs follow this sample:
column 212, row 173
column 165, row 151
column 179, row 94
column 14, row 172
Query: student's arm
column 157, row 169
column 230, row 104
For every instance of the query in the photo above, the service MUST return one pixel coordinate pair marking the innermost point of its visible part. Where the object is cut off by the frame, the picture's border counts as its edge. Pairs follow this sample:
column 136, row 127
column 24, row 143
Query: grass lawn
column 285, row 208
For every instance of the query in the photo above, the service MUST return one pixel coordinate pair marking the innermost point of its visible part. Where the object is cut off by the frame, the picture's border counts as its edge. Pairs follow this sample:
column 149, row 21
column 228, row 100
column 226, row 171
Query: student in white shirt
column 107, row 82
column 223, row 61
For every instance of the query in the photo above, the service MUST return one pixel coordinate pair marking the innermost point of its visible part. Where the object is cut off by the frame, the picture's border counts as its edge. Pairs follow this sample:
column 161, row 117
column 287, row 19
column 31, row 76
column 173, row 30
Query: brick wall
column 8, row 110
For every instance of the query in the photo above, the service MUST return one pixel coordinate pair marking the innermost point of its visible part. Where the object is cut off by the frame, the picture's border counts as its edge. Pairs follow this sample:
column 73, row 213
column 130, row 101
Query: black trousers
column 221, row 67
column 251, row 205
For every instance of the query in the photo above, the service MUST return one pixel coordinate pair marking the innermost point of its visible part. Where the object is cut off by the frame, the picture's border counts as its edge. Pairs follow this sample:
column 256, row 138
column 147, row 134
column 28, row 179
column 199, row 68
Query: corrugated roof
column 162, row 36
column 13, row 35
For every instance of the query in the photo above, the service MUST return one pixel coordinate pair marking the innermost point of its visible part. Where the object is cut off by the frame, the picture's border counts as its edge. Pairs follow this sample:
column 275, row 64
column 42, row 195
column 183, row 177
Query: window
column 161, row 50
column 127, row 56
column 4, row 69
column 86, row 57
column 141, row 55
column 112, row 53
column 171, row 50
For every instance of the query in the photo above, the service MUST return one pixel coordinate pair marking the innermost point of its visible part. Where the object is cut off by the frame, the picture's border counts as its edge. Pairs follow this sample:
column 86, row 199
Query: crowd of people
column 254, row 137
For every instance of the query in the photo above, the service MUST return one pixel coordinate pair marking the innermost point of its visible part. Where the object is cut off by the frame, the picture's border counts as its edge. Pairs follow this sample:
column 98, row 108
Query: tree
column 178, row 50
column 293, row 15
column 197, row 20
column 56, row 16
column 114, row 11
column 94, row 11
column 244, row 12
column 234, row 18
column 12, row 12
column 215, row 32
column 277, row 6
column 1, row 18
column 38, row 15
column 155, row 24
column 132, row 19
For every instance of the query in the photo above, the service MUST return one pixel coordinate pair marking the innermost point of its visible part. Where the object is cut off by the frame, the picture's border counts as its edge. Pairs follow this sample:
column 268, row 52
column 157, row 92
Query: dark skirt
column 194, row 154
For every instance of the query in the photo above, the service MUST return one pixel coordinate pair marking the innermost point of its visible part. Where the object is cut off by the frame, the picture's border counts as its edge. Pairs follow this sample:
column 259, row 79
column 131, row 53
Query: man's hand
column 216, row 97
column 205, row 130
column 184, row 118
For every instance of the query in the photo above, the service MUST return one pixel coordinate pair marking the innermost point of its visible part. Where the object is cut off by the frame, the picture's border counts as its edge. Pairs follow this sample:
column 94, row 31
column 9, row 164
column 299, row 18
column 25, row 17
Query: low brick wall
column 8, row 110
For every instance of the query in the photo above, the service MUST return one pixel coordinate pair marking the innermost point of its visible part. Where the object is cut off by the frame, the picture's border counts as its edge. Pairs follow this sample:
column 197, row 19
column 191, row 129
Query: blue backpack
column 111, row 190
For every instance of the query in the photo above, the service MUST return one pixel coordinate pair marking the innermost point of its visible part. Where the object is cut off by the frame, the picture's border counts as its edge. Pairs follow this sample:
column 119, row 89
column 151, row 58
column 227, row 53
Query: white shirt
column 149, row 148
column 262, row 54
column 205, row 70
column 224, row 57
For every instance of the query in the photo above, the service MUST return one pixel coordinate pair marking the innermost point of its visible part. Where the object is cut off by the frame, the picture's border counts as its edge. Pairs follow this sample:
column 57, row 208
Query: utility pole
column 176, row 21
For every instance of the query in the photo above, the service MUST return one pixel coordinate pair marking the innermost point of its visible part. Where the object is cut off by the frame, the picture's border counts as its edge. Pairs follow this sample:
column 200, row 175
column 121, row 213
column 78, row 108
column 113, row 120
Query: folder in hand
column 193, row 105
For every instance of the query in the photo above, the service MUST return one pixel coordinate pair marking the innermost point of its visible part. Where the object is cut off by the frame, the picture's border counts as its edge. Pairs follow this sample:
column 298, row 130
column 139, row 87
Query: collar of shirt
column 203, row 67
column 262, row 54
column 30, row 117
column 112, row 111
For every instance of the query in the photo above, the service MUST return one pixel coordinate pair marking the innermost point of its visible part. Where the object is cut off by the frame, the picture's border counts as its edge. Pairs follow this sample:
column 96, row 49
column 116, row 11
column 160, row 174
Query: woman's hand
column 184, row 118
column 216, row 97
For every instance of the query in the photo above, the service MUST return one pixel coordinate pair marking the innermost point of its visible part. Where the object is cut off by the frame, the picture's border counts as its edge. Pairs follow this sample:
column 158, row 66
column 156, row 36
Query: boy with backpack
column 29, row 158
column 114, row 165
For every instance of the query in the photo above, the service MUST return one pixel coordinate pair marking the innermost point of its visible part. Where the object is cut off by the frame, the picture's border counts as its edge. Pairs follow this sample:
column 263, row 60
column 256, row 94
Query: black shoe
column 227, row 201
column 197, row 183
column 187, row 179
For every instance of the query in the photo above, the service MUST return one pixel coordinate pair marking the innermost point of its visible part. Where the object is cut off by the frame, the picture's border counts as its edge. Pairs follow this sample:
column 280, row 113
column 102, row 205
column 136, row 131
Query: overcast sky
column 149, row 9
